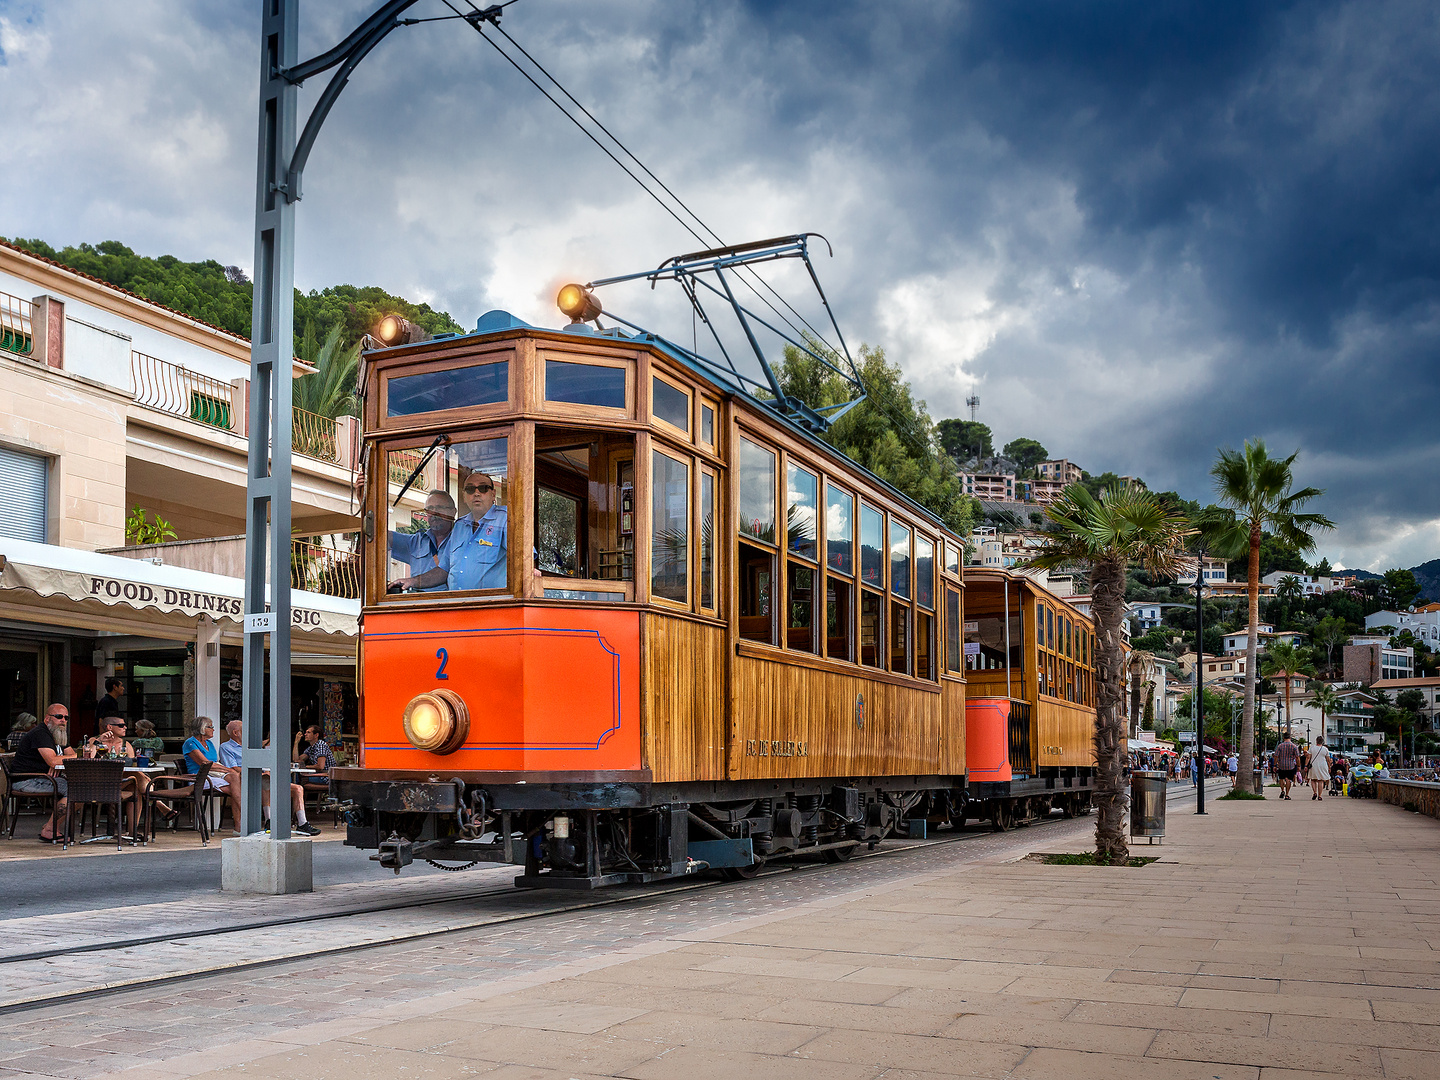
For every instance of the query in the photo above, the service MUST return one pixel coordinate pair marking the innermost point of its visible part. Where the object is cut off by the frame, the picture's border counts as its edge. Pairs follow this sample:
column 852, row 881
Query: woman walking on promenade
column 1319, row 768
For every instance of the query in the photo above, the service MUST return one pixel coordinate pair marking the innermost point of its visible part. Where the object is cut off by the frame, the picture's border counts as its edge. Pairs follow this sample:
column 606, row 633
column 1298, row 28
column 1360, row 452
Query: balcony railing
column 402, row 463
column 178, row 390
column 324, row 565
column 314, row 436
column 17, row 333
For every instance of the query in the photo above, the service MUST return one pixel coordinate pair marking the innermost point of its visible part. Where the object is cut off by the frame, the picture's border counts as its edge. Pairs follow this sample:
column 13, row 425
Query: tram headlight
column 578, row 303
column 437, row 721
column 393, row 330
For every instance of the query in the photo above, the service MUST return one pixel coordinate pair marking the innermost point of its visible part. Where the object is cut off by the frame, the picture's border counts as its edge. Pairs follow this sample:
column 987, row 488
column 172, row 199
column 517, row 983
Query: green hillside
column 220, row 295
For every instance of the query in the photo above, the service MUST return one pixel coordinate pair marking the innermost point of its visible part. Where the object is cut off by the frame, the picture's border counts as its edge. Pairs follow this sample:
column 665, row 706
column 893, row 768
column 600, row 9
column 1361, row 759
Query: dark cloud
column 1140, row 231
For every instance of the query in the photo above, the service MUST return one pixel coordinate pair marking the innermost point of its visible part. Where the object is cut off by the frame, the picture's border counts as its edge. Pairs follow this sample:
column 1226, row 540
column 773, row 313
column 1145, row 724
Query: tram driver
column 421, row 550
column 474, row 555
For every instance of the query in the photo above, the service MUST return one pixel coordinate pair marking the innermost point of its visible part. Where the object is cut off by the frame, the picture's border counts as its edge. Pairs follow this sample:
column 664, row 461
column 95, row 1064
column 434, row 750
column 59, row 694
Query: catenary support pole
column 284, row 865
column 1199, row 701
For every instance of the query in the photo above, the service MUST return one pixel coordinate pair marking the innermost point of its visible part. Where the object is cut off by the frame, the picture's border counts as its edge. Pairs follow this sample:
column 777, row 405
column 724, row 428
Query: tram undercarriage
column 590, row 834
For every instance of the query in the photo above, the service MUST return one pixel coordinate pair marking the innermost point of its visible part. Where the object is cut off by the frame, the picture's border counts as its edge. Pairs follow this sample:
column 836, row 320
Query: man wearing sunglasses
column 39, row 752
column 422, row 549
column 474, row 555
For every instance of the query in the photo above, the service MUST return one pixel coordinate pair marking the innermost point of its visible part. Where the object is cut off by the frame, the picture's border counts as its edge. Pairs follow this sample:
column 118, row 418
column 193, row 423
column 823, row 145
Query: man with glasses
column 40, row 751
column 474, row 557
column 421, row 550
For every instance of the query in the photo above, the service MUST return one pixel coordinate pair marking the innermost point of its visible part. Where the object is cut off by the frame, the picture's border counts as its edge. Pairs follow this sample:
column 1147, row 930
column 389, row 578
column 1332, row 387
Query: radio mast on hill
column 974, row 402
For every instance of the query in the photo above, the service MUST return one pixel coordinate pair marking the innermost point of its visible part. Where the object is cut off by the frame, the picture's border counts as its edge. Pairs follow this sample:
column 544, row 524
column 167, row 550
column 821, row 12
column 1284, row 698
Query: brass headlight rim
column 454, row 722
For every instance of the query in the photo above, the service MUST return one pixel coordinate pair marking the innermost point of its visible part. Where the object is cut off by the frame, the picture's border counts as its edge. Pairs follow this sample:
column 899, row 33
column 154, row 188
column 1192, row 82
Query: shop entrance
column 19, row 683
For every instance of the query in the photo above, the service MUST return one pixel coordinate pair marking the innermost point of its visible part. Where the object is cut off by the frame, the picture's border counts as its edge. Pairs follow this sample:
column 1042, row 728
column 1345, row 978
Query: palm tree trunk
column 1252, row 648
column 1107, row 585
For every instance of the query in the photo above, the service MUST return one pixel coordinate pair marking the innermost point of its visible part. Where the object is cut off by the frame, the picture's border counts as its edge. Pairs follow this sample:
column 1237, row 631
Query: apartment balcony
column 17, row 329
column 327, row 564
column 187, row 447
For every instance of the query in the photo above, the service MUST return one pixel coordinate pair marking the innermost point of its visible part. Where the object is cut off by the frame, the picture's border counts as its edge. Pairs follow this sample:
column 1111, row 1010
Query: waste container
column 1147, row 804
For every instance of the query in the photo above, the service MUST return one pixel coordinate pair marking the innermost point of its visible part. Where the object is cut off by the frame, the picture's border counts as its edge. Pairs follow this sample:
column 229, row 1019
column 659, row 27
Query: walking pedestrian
column 1319, row 768
column 1232, row 764
column 1287, row 760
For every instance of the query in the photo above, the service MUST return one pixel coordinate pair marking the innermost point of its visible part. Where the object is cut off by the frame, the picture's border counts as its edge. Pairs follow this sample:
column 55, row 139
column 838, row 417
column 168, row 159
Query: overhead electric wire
column 902, row 427
column 714, row 237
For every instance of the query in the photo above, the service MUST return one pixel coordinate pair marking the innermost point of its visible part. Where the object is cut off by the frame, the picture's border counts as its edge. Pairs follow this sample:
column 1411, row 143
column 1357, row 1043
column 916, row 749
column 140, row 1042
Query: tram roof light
column 578, row 303
column 395, row 330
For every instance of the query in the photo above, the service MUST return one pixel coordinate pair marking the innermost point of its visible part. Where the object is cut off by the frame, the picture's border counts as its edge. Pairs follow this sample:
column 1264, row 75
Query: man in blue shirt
column 422, row 549
column 474, row 556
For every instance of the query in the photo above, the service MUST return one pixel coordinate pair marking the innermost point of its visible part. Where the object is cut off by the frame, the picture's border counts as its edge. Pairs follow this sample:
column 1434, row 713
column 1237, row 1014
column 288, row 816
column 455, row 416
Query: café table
column 129, row 770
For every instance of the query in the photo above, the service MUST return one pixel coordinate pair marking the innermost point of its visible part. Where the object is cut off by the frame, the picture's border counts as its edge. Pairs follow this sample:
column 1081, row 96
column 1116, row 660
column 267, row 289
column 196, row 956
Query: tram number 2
column 776, row 748
column 444, row 657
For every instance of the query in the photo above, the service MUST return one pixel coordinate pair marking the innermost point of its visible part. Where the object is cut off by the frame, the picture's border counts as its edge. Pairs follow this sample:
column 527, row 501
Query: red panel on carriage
column 547, row 688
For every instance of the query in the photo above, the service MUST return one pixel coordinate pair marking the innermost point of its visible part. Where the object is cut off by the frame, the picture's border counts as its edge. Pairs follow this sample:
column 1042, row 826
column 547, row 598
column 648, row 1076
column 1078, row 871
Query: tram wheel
column 1067, row 806
column 1002, row 817
column 740, row 873
column 839, row 854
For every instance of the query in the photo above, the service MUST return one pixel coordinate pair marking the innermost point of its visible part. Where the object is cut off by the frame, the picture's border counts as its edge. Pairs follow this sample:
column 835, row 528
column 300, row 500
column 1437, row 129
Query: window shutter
column 22, row 495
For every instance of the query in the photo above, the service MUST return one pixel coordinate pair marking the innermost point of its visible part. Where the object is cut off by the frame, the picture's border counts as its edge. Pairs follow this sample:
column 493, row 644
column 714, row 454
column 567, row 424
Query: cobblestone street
column 1242, row 953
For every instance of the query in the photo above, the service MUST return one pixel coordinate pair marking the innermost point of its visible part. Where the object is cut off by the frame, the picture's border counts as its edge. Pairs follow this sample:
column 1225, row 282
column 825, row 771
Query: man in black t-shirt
column 40, row 752
column 109, row 704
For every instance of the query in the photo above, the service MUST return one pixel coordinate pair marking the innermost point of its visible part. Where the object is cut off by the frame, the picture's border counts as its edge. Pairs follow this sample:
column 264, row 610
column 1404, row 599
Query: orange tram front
column 624, row 622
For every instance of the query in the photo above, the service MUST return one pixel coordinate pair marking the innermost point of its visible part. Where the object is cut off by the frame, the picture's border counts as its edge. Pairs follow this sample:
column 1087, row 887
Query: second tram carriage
column 670, row 629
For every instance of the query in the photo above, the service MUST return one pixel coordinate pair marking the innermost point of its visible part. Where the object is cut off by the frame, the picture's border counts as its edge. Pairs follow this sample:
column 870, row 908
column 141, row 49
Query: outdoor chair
column 96, row 785
column 178, row 790
column 46, row 799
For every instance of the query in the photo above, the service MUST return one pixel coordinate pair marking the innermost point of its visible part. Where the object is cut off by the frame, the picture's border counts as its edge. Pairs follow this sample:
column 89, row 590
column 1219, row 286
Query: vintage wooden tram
column 687, row 634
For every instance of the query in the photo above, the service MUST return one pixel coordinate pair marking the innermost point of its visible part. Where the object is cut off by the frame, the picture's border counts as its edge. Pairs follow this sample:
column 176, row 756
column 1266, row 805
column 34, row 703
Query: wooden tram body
column 712, row 641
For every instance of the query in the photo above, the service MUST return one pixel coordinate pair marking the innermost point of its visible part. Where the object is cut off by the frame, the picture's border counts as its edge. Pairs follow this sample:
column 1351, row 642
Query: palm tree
column 330, row 391
column 1289, row 589
column 1256, row 490
column 1284, row 659
column 1127, row 524
column 1327, row 700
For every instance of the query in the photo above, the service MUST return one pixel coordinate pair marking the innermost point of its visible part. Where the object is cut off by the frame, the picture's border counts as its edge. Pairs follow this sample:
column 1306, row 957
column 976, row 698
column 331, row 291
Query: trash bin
column 1147, row 805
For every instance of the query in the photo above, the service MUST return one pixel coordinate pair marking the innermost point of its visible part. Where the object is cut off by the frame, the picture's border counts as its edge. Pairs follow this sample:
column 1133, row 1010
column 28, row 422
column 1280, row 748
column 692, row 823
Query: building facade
column 109, row 405
column 1372, row 660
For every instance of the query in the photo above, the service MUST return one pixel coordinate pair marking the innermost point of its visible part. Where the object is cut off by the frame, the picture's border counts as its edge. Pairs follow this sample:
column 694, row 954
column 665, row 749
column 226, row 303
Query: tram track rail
column 216, row 936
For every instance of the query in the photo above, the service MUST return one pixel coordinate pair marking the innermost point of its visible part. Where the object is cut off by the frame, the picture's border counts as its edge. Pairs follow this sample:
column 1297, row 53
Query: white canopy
column 88, row 578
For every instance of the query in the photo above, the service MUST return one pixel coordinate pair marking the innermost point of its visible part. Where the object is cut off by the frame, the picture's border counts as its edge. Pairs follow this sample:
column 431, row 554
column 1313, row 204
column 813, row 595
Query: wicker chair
column 95, row 784
column 13, row 797
column 169, row 789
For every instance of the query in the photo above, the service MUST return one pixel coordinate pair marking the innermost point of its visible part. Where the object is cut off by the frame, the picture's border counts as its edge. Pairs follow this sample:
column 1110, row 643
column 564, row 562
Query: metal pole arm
column 382, row 19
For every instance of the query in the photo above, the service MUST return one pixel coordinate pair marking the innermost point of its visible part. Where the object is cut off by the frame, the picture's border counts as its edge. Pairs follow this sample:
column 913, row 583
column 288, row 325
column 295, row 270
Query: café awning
column 96, row 582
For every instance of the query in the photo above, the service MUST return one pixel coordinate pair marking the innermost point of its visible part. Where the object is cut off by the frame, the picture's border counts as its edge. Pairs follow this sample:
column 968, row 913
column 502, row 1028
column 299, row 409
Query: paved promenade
column 1274, row 941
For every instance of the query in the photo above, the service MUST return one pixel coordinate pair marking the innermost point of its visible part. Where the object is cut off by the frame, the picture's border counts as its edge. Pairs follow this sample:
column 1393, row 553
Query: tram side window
column 449, row 530
column 872, row 547
column 840, row 567
column 801, row 542
column 985, row 639
column 899, row 638
column 952, row 558
column 839, row 617
column 707, row 539
column 953, row 636
column 924, row 645
column 872, row 629
column 669, row 528
column 756, row 572
column 757, row 548
column 1040, row 625
column 899, row 560
column 559, row 519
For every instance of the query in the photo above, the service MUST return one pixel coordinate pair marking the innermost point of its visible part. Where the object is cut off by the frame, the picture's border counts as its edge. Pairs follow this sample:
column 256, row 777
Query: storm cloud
column 1138, row 231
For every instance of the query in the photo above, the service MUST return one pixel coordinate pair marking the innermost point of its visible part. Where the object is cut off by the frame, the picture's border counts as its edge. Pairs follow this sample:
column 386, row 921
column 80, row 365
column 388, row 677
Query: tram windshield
column 449, row 532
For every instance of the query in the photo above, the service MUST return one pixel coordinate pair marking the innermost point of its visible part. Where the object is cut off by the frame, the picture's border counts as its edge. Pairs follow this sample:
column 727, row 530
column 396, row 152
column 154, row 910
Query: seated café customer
column 39, row 752
column 230, row 756
column 111, row 743
column 197, row 750
column 146, row 739
column 23, row 723
column 311, row 751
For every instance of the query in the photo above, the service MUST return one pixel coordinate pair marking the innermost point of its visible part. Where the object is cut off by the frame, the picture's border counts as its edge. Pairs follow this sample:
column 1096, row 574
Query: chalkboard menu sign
column 231, row 698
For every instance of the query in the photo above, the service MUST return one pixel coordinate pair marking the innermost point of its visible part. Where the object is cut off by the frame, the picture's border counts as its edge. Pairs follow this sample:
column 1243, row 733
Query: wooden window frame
column 702, row 470
column 659, row 422
column 570, row 410
column 701, row 403
column 688, row 463
column 471, row 413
